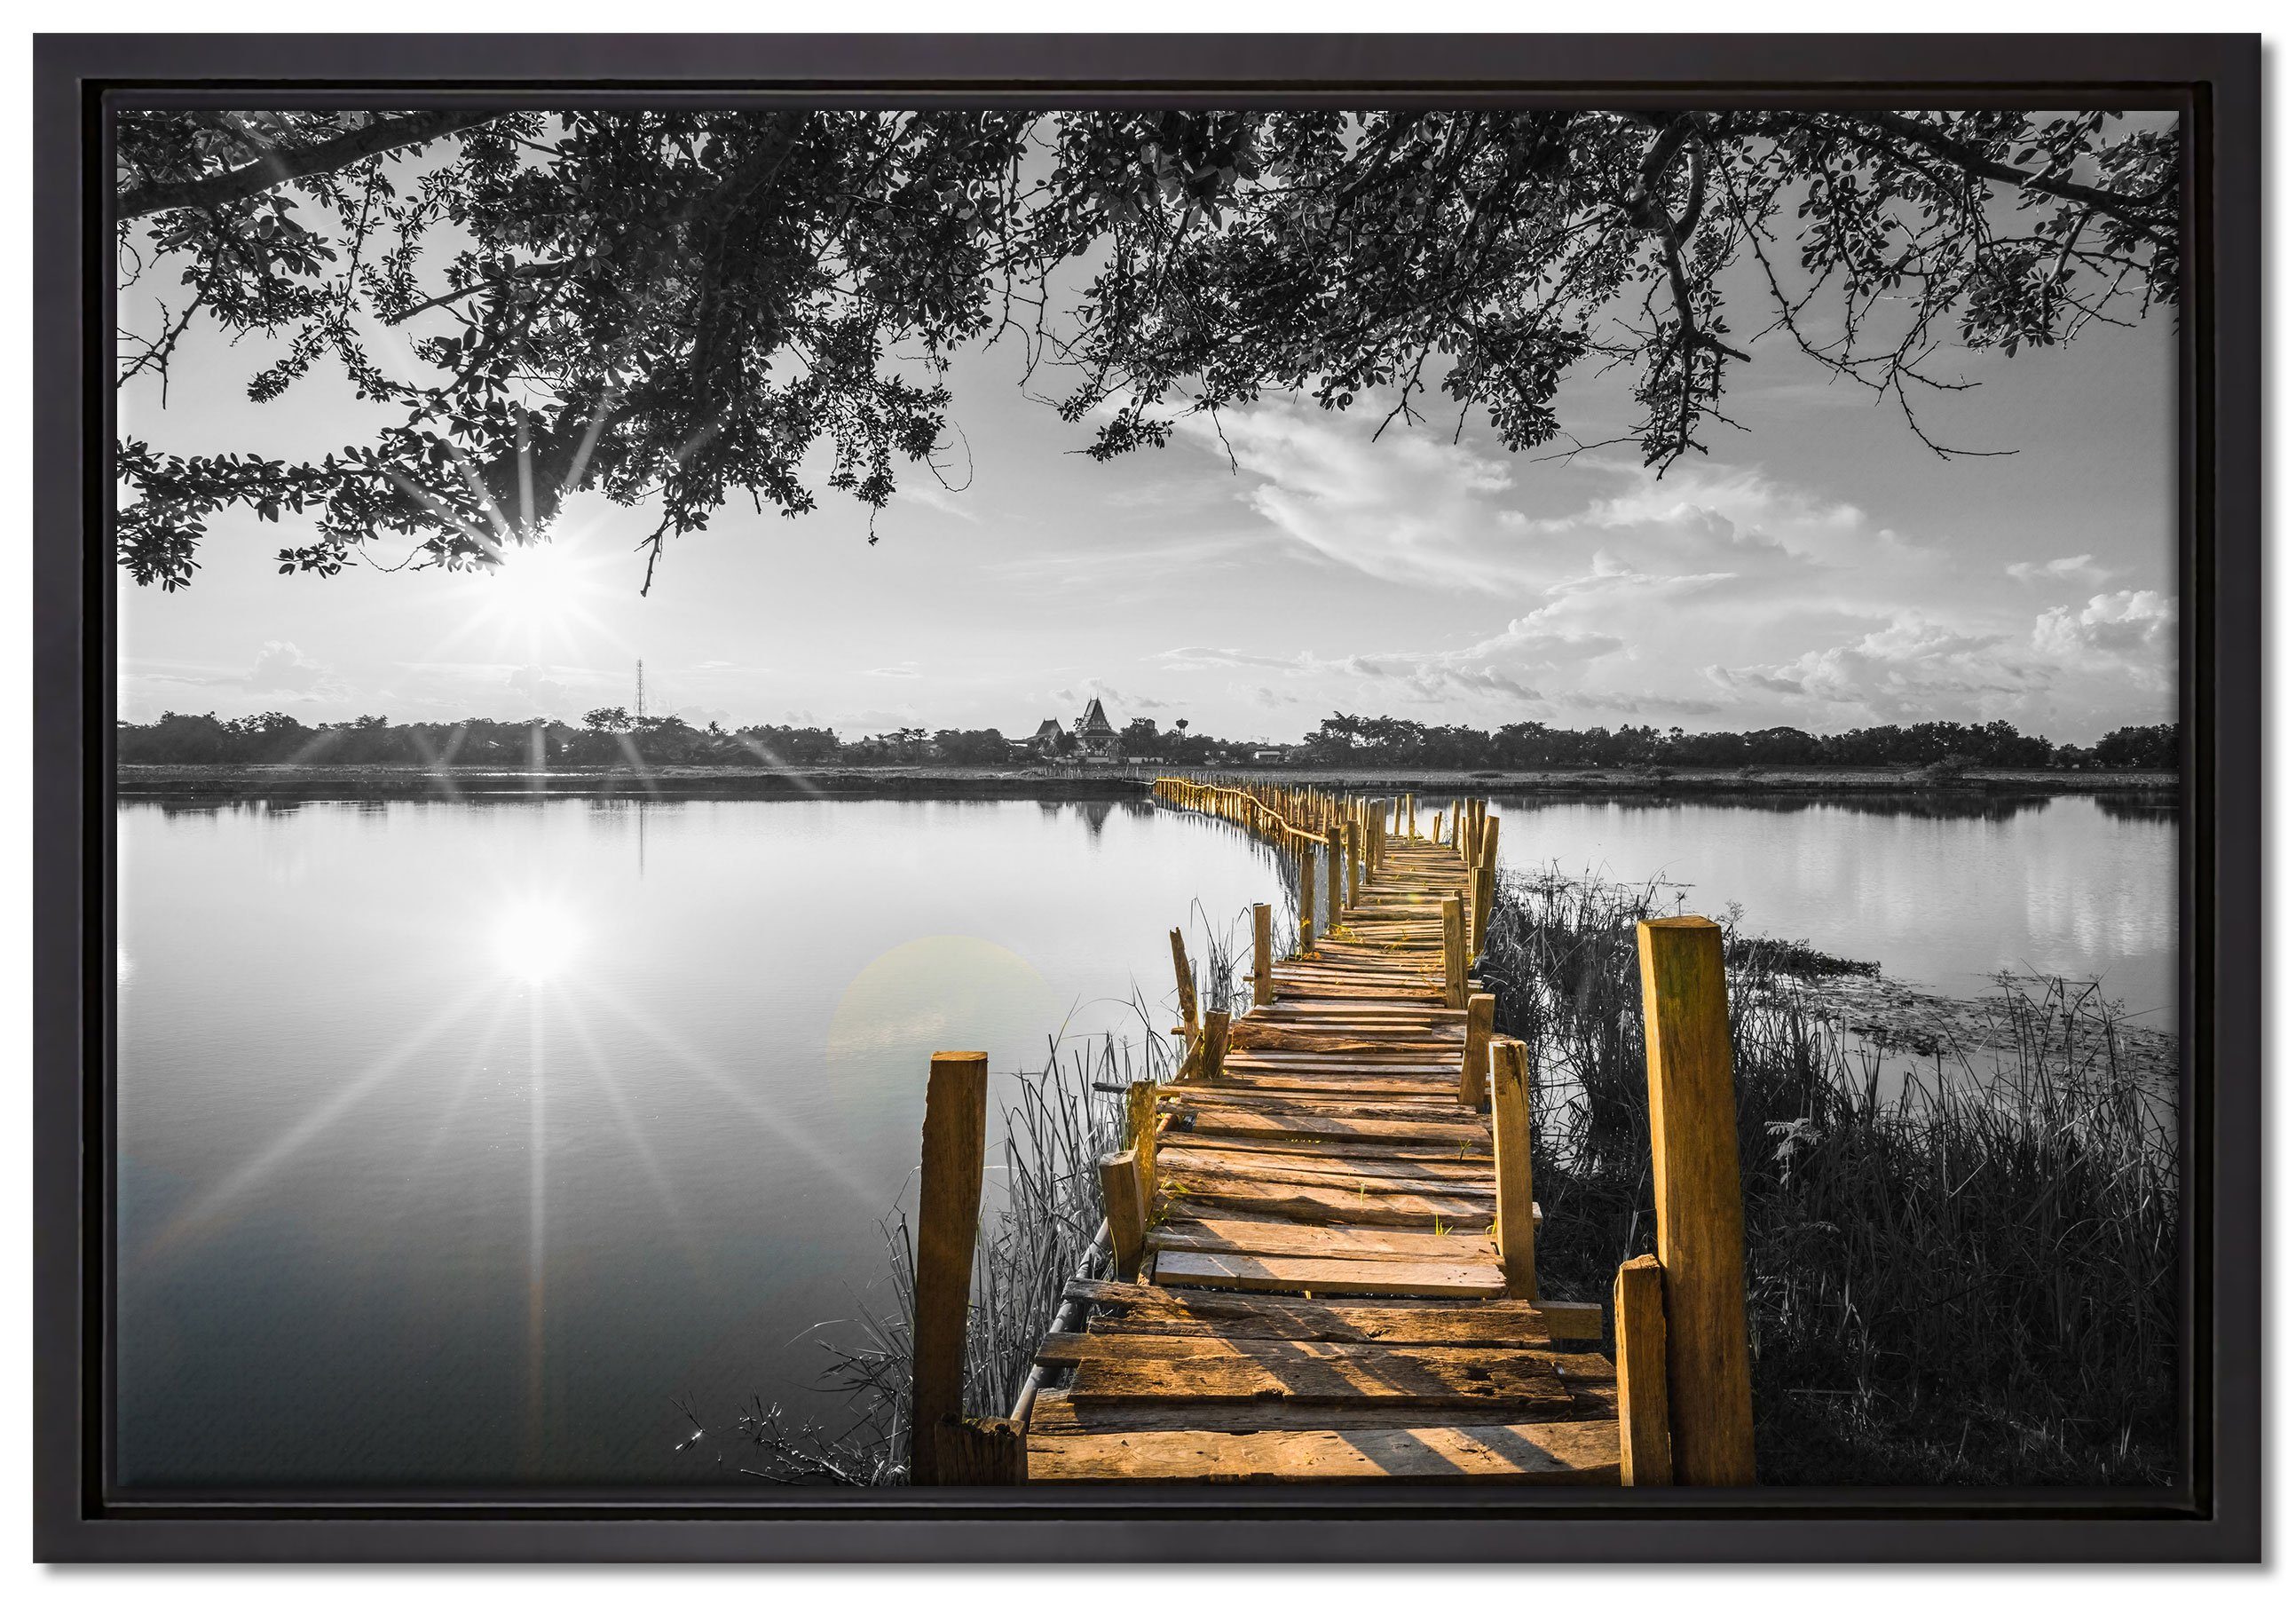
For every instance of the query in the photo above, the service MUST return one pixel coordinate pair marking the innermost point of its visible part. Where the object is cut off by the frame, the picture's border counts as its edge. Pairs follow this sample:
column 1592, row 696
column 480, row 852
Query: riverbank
column 292, row 782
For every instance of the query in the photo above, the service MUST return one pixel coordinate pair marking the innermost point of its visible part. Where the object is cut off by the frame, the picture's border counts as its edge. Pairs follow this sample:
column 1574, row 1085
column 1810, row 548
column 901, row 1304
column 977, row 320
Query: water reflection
column 446, row 1133
column 1941, row 890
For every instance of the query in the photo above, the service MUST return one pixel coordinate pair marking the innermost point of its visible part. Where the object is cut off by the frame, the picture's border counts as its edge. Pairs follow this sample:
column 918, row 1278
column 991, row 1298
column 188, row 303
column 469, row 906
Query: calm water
column 456, row 1141
column 1943, row 891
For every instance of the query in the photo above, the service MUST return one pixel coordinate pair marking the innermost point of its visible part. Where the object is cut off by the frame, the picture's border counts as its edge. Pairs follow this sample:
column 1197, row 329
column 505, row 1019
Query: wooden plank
column 1339, row 1008
column 1465, row 1154
column 1058, row 1414
column 1338, row 1128
column 1427, row 1043
column 1646, row 1453
column 1117, row 1343
column 1340, row 1375
column 1144, row 1310
column 1181, row 1182
column 1226, row 1235
column 1302, row 1201
column 1321, row 1274
column 1580, row 1453
column 1424, row 1089
column 1446, row 1112
column 1341, row 1067
column 1695, row 1188
column 1330, row 1164
column 948, row 1220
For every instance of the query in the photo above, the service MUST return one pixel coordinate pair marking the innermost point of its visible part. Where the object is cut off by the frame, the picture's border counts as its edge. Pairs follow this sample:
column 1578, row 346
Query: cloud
column 907, row 668
column 1637, row 704
column 281, row 667
column 1408, row 508
column 2121, row 623
column 1203, row 657
column 2111, row 660
column 538, row 687
column 1112, row 699
column 2074, row 568
column 937, row 497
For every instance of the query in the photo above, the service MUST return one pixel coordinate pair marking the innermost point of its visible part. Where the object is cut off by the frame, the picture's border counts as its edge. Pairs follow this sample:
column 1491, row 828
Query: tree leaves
column 682, row 306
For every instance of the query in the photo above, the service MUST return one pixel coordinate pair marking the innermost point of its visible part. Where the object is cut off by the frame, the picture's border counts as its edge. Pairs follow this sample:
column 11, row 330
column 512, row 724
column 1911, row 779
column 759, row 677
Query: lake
column 460, row 1142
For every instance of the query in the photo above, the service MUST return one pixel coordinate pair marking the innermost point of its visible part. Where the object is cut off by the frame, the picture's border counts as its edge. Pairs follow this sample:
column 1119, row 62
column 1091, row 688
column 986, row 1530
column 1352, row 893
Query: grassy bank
column 1973, row 1283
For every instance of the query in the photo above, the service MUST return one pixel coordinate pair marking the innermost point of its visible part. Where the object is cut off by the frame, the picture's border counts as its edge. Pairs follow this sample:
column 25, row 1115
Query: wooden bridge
column 1321, row 1234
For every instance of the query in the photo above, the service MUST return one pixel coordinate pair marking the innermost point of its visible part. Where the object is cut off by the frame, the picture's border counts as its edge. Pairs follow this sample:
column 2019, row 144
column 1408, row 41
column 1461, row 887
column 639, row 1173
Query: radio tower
column 640, row 711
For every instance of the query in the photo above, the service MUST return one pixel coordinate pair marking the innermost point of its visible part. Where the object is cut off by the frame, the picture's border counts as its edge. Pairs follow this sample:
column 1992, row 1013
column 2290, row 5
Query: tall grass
column 1971, row 1280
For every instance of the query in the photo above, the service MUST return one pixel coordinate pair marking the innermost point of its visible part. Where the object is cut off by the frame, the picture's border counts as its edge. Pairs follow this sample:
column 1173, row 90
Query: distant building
column 1096, row 740
column 1270, row 757
column 1047, row 736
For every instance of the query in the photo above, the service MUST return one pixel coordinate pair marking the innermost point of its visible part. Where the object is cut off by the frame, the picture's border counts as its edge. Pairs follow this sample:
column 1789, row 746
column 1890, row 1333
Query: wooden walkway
column 1322, row 1291
column 1322, row 1230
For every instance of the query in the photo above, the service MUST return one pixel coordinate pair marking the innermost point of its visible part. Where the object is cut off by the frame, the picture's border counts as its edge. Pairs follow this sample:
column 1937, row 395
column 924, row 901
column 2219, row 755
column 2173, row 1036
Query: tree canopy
column 679, row 307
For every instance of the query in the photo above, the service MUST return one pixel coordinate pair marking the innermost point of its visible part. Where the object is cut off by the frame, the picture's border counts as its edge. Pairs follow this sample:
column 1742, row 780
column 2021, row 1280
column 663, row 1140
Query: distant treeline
column 1533, row 745
column 613, row 736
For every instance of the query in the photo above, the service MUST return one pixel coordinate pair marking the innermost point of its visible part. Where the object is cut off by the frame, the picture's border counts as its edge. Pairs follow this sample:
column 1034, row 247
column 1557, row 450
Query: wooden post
column 1511, row 1157
column 1487, row 883
column 1307, row 897
column 1455, row 953
column 1333, row 867
column 1638, row 1318
column 1702, row 1238
column 1186, row 980
column 1215, row 1042
column 1263, row 983
column 948, row 1220
column 1475, row 1063
column 1140, row 1114
column 1128, row 1217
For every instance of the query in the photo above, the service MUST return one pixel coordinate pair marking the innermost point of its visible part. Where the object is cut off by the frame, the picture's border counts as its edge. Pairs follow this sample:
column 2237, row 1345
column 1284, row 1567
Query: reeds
column 1970, row 1279
column 1041, row 1214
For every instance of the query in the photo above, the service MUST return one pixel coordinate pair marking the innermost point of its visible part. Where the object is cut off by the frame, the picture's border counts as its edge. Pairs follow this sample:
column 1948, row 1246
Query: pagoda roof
column 1094, row 719
column 1047, row 727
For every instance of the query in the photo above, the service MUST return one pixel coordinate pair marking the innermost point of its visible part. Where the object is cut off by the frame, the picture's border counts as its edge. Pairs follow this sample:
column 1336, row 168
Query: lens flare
column 536, row 941
column 534, row 584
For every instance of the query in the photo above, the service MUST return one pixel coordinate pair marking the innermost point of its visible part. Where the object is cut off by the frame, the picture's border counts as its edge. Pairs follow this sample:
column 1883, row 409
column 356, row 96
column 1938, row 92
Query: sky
column 1820, row 570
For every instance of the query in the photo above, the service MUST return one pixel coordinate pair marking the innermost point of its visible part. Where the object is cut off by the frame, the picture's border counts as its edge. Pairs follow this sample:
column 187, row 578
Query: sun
column 536, row 941
column 534, row 584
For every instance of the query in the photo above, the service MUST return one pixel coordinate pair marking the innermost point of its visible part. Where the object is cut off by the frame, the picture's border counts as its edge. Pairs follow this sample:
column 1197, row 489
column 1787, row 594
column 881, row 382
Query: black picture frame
column 2215, row 80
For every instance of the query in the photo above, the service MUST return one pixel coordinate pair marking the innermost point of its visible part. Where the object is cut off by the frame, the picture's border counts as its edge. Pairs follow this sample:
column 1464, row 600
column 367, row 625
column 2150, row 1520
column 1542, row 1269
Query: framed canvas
column 1628, row 928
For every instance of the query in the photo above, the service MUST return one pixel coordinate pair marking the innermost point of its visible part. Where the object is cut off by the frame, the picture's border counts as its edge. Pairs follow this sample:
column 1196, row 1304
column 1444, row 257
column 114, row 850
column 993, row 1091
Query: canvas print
column 869, row 797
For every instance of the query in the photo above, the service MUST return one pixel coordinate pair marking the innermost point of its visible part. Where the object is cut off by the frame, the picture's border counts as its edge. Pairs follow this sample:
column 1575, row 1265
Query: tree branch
column 285, row 166
column 2115, row 205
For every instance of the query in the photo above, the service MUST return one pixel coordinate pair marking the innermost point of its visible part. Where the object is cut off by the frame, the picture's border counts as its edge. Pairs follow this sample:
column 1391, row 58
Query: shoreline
column 913, row 782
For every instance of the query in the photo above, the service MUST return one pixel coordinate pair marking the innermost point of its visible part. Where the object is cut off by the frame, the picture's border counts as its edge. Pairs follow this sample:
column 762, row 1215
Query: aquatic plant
column 1971, row 1280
